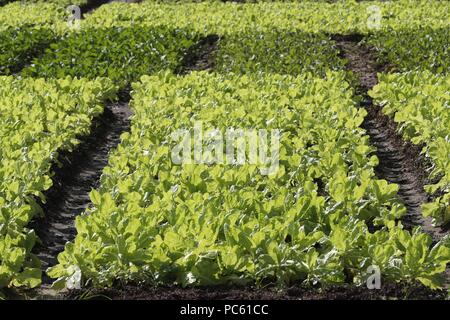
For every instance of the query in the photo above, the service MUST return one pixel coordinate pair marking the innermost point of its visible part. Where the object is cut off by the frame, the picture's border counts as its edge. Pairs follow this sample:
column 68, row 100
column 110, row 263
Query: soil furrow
column 200, row 56
column 78, row 173
column 400, row 162
column 342, row 292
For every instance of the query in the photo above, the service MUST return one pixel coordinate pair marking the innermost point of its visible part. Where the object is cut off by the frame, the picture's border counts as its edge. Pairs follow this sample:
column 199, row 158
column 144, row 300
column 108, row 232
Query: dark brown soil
column 388, row 291
column 78, row 173
column 200, row 56
column 401, row 163
column 359, row 59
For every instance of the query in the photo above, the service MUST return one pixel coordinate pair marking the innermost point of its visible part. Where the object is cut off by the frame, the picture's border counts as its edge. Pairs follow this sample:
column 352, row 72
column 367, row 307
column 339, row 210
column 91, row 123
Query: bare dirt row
column 341, row 292
column 79, row 172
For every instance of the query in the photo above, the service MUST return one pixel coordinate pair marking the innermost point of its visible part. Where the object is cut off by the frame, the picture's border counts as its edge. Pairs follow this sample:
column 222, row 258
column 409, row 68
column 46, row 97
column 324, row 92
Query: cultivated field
column 233, row 150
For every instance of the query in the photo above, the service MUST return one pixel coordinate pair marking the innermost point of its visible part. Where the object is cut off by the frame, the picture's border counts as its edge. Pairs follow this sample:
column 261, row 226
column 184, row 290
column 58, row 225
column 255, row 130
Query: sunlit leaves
column 121, row 54
column 205, row 224
column 419, row 103
column 38, row 119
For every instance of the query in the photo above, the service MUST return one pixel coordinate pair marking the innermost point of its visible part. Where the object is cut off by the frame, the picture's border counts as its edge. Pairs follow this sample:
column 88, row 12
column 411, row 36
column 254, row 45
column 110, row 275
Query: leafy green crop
column 121, row 54
column 37, row 120
column 198, row 224
column 341, row 17
column 418, row 49
column 277, row 52
column 19, row 45
column 47, row 15
column 215, row 17
column 419, row 103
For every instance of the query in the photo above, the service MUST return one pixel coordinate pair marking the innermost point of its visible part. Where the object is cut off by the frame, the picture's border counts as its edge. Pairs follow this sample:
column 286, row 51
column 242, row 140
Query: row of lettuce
column 264, row 37
column 231, row 222
column 343, row 17
column 123, row 54
column 38, row 120
column 420, row 104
